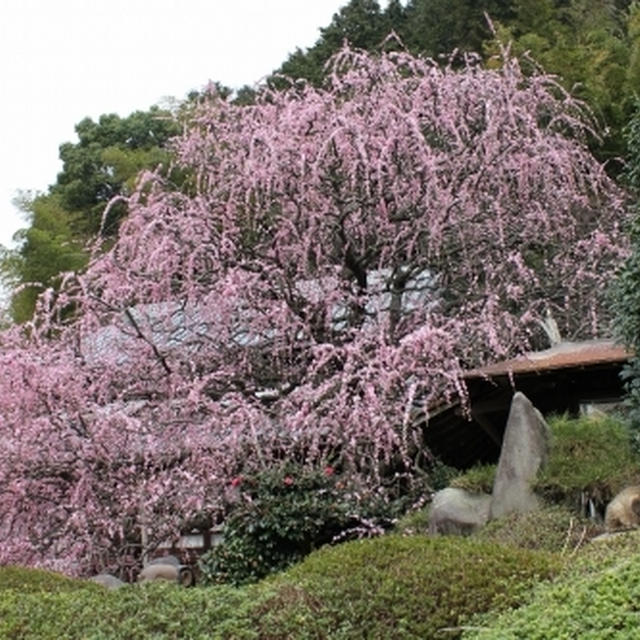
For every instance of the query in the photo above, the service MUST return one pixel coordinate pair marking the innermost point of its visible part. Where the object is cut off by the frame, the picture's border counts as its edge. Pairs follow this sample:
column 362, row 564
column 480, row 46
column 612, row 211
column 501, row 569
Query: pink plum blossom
column 329, row 263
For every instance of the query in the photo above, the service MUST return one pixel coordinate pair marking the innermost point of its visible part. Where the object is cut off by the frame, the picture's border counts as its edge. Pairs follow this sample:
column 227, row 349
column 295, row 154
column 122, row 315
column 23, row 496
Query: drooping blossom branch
column 333, row 259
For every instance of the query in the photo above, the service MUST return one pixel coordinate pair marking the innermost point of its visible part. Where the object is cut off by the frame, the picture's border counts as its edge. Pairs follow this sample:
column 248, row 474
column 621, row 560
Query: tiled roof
column 556, row 380
column 562, row 356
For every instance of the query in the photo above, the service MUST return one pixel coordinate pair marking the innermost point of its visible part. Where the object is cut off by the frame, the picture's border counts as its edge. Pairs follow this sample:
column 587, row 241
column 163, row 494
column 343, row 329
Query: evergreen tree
column 361, row 22
column 626, row 290
column 438, row 27
column 103, row 163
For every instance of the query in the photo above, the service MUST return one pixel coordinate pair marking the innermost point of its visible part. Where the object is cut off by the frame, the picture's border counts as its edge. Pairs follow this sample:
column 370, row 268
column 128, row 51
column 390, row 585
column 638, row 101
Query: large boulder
column 159, row 572
column 525, row 448
column 456, row 511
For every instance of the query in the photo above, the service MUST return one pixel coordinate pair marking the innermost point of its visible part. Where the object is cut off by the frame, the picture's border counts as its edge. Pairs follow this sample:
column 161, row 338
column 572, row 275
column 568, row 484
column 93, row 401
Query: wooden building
column 566, row 378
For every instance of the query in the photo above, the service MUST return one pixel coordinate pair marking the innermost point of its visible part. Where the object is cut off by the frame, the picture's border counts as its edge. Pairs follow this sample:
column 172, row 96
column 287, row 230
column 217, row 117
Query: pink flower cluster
column 331, row 262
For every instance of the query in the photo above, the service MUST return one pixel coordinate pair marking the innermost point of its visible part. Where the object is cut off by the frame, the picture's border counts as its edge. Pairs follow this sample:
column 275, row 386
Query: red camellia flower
column 288, row 481
column 328, row 471
column 237, row 481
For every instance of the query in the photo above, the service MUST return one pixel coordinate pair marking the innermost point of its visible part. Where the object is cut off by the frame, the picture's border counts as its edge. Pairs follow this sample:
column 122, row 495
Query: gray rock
column 623, row 512
column 181, row 574
column 456, row 511
column 166, row 560
column 159, row 572
column 524, row 451
column 108, row 581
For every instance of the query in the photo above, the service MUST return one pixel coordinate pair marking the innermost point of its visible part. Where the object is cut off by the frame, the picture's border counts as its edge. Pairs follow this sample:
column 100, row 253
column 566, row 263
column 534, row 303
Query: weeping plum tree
column 334, row 260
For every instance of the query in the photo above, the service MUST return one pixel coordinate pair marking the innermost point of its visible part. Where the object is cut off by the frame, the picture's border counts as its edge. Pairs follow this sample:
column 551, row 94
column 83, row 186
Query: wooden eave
column 556, row 380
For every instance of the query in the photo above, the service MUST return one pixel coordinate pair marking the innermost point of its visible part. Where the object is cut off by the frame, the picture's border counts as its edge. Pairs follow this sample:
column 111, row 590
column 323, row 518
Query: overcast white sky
column 62, row 60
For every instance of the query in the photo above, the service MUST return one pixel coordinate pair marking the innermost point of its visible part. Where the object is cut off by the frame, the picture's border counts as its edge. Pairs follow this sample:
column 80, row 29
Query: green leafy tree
column 103, row 163
column 361, row 22
column 48, row 247
column 626, row 292
column 435, row 27
column 428, row 27
column 105, row 160
column 592, row 46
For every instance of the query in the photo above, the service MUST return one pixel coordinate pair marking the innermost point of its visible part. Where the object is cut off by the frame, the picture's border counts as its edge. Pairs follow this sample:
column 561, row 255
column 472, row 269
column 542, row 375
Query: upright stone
column 524, row 451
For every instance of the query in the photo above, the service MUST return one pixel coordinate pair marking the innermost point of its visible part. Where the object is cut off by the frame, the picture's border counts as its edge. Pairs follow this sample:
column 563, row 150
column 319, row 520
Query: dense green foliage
column 626, row 290
column 478, row 479
column 283, row 514
column 414, row 521
column 37, row 581
column 361, row 22
column 428, row 27
column 591, row 456
column 604, row 553
column 597, row 603
column 103, row 163
column 158, row 610
column 47, row 247
column 398, row 587
column 389, row 587
column 280, row 516
column 106, row 159
column 552, row 528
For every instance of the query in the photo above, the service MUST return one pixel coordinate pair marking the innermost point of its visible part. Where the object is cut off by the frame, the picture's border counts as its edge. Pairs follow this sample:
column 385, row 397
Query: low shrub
column 389, row 587
column 414, row 522
column 606, row 551
column 159, row 610
column 29, row 580
column 595, row 605
column 552, row 528
column 591, row 456
column 477, row 479
column 440, row 475
column 396, row 587
column 283, row 514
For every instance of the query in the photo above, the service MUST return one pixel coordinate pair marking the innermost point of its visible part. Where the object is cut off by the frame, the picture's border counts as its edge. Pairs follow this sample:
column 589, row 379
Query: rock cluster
column 524, row 451
column 163, row 568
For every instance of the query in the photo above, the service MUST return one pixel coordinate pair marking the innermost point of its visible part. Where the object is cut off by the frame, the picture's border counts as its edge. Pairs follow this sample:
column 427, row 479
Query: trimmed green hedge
column 397, row 587
column 157, row 610
column 28, row 580
column 586, row 603
column 590, row 454
column 391, row 587
column 552, row 528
